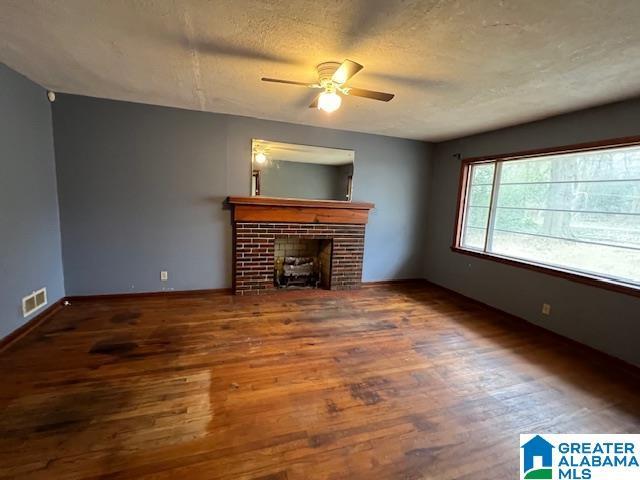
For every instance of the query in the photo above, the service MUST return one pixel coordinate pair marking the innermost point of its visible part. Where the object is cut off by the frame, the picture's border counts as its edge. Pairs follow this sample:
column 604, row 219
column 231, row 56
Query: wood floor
column 392, row 382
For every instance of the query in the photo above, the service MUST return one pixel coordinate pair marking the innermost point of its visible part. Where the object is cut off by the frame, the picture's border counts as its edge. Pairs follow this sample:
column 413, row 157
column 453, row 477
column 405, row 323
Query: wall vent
column 33, row 302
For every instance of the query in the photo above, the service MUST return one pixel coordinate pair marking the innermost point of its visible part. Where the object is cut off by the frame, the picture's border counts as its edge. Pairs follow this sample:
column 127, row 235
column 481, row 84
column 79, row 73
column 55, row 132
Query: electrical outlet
column 546, row 309
column 164, row 275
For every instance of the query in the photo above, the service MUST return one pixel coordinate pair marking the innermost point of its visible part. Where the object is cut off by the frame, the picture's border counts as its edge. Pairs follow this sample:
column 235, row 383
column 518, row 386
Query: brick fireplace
column 264, row 228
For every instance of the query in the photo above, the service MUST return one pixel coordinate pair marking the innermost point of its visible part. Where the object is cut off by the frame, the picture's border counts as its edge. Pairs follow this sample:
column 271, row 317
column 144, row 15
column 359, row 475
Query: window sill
column 557, row 272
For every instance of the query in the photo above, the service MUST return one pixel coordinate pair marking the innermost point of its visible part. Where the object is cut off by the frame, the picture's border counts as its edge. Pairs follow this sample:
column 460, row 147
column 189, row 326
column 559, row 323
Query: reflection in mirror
column 288, row 170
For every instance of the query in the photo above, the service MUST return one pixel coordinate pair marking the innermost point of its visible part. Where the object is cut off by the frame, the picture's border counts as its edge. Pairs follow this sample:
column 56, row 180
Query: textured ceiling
column 456, row 67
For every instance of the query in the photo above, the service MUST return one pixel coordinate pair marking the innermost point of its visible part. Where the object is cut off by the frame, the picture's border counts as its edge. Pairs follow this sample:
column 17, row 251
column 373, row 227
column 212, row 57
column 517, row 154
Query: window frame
column 573, row 275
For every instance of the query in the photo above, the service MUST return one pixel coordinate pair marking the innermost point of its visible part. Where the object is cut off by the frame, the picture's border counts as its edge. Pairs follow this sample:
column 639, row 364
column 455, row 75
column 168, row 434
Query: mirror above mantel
column 287, row 170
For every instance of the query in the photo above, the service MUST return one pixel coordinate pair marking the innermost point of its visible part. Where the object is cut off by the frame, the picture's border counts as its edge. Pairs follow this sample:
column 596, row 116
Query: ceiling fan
column 332, row 77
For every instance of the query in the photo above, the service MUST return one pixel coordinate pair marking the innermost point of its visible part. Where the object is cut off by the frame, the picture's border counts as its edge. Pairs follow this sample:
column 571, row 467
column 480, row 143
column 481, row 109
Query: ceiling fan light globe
column 329, row 101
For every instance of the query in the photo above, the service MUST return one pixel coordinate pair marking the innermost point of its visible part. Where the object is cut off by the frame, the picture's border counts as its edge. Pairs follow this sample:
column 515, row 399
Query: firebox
column 302, row 262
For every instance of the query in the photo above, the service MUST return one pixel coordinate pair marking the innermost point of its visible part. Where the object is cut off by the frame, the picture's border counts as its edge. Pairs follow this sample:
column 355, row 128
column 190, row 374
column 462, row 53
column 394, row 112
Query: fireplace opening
column 302, row 263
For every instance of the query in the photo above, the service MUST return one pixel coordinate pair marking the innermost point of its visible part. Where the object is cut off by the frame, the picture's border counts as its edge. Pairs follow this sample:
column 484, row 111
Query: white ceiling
column 456, row 67
column 292, row 152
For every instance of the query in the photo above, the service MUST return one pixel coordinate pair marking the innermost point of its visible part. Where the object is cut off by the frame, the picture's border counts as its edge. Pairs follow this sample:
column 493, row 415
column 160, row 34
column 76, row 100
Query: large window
column 575, row 212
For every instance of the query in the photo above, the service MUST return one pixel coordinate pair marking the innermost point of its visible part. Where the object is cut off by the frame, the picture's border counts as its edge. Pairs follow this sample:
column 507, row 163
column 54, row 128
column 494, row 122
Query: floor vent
column 33, row 302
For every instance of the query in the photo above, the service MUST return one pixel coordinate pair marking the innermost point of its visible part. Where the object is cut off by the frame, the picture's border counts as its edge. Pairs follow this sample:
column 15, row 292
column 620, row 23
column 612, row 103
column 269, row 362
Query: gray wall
column 603, row 319
column 141, row 188
column 29, row 225
column 303, row 180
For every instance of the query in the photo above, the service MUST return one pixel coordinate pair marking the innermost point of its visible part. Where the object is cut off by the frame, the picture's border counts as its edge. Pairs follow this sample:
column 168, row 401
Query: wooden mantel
column 292, row 210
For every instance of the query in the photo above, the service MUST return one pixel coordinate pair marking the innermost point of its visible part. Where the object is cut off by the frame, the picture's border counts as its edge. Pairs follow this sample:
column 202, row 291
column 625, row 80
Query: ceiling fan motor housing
column 326, row 71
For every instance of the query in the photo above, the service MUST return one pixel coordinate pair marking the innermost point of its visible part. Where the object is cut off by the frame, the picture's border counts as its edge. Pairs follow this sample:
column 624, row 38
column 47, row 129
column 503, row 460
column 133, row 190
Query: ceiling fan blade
column 345, row 71
column 361, row 92
column 289, row 82
column 314, row 104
